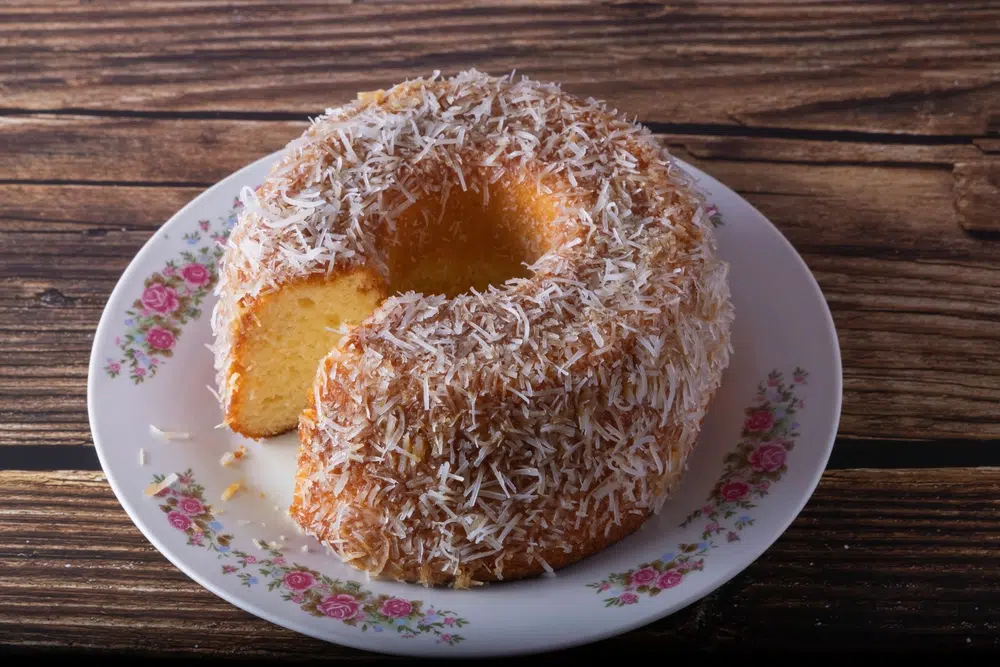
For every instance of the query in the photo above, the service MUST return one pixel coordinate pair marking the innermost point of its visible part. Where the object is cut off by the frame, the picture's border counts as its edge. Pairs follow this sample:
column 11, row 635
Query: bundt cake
column 495, row 313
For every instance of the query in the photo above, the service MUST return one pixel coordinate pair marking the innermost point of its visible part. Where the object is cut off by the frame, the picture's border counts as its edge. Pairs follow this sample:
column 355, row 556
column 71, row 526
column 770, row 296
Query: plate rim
column 622, row 626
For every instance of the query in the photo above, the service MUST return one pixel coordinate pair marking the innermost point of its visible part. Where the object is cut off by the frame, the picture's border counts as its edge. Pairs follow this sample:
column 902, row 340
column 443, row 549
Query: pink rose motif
column 298, row 598
column 195, row 274
column 446, row 637
column 342, row 607
column 190, row 506
column 628, row 598
column 197, row 538
column 278, row 561
column 178, row 520
column 760, row 420
column 449, row 620
column 767, row 457
column 605, row 586
column 764, row 486
column 299, row 581
column 140, row 371
column 159, row 338
column 160, row 298
column 707, row 509
column 712, row 528
column 114, row 367
column 250, row 560
column 669, row 579
column 396, row 608
column 735, row 490
column 643, row 577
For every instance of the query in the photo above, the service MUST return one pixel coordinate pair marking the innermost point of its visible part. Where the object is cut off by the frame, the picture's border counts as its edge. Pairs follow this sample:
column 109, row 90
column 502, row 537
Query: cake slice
column 277, row 340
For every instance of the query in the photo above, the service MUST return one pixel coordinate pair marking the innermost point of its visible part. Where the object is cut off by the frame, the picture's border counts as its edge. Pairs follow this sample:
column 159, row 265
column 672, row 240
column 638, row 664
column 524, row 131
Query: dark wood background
column 869, row 133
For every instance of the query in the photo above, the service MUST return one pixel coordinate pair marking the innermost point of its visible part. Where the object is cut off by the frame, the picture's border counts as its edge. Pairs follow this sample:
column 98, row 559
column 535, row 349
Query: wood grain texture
column 915, row 297
column 89, row 149
column 78, row 574
column 917, row 67
column 977, row 194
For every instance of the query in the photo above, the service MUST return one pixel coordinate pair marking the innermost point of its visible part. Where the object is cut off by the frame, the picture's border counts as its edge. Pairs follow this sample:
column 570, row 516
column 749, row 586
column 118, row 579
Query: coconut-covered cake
column 495, row 314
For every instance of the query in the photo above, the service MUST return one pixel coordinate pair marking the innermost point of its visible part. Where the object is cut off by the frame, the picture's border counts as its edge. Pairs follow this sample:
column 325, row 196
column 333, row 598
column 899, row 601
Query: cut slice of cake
column 277, row 340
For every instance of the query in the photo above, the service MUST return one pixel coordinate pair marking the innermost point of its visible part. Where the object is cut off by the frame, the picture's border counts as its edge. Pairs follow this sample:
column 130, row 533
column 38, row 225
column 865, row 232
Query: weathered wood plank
column 82, row 149
column 134, row 150
column 876, row 559
column 922, row 68
column 977, row 194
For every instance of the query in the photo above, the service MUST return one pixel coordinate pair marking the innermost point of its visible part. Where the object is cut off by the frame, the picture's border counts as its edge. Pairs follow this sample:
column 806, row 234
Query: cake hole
column 471, row 241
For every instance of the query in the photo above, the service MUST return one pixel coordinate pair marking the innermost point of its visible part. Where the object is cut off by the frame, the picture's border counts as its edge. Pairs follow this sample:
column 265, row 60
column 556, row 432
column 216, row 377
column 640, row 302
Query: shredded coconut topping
column 169, row 435
column 516, row 429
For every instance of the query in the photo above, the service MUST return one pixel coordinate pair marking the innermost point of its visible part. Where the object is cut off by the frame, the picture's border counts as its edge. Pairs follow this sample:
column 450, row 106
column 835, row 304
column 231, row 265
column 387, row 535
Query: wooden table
column 869, row 133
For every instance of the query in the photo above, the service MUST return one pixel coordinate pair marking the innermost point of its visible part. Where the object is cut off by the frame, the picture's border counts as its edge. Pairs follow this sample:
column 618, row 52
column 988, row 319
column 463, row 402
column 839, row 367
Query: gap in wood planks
column 848, row 453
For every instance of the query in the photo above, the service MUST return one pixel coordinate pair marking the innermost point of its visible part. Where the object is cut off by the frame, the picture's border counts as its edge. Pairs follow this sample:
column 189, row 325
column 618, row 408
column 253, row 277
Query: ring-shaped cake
column 495, row 313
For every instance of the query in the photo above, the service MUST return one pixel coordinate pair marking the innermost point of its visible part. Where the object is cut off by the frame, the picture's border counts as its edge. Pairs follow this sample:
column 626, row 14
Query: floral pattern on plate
column 183, row 502
column 171, row 297
column 758, row 461
column 186, row 510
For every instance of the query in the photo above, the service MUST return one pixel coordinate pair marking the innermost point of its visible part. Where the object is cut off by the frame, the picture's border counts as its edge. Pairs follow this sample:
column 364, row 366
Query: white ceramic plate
column 765, row 444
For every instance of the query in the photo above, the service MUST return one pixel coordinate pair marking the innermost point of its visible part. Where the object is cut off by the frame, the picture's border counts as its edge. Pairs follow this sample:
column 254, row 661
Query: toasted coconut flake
column 169, row 435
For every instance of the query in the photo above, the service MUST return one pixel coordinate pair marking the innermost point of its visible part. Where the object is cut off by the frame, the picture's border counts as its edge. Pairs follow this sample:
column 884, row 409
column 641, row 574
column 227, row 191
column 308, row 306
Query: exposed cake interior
column 451, row 241
column 286, row 333
column 446, row 242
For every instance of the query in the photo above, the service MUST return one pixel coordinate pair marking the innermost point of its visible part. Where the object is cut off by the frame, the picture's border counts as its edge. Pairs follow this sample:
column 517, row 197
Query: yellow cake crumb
column 229, row 457
column 156, row 487
column 232, row 490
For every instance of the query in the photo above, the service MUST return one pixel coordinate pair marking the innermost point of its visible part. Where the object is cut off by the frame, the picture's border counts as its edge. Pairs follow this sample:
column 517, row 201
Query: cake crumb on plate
column 232, row 490
column 167, row 482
